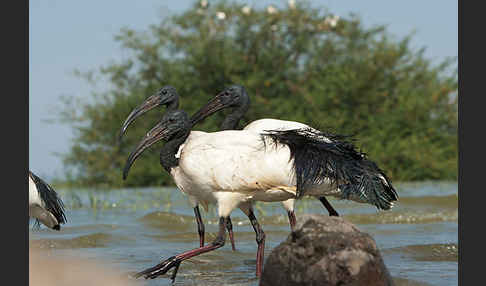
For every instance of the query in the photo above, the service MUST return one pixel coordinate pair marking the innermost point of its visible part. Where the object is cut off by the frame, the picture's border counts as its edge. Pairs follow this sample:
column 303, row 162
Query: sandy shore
column 47, row 270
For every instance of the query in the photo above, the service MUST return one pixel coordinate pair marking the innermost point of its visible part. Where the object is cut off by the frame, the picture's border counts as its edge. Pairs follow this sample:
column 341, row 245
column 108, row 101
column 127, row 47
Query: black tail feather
column 52, row 201
column 320, row 156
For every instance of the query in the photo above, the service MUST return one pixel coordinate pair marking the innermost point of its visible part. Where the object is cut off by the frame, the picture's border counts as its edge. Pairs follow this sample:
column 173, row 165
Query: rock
column 325, row 250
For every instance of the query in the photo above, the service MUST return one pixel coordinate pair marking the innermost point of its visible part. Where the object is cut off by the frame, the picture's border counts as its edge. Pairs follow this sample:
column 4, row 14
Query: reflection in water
column 132, row 229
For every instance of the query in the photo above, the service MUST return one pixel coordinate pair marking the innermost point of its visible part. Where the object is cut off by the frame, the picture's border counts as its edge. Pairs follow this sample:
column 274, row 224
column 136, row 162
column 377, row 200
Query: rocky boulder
column 325, row 250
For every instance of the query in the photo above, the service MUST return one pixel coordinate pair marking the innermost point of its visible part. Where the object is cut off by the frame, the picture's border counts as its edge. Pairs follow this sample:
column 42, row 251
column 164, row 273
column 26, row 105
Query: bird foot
column 161, row 269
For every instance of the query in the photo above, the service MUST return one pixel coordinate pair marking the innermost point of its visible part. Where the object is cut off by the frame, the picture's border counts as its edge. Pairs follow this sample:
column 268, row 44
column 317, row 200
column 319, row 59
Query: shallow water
column 133, row 229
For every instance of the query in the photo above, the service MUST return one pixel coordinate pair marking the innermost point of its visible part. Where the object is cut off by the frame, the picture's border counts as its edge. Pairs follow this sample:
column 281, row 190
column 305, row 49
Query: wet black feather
column 319, row 156
column 50, row 198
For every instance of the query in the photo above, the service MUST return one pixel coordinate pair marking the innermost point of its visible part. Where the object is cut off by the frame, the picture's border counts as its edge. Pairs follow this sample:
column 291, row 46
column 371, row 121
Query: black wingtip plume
column 374, row 187
column 319, row 156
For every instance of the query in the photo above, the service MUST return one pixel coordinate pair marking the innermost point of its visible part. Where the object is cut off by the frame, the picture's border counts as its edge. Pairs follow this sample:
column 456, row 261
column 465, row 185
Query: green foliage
column 295, row 65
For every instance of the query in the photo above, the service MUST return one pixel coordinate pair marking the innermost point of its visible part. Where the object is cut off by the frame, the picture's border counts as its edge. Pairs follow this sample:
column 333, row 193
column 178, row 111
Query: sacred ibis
column 168, row 96
column 235, row 168
column 44, row 203
column 237, row 98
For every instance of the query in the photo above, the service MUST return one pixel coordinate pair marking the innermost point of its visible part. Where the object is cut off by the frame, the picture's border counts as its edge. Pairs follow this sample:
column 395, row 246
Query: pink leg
column 175, row 261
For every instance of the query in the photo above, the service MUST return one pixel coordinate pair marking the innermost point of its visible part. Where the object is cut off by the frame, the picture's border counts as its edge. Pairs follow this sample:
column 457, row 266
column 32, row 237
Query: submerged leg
column 175, row 261
column 330, row 209
column 200, row 226
column 260, row 239
column 229, row 227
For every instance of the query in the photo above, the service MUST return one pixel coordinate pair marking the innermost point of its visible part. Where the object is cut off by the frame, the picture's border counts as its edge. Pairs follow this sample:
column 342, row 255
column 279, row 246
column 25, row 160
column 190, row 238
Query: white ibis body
column 44, row 203
column 235, row 168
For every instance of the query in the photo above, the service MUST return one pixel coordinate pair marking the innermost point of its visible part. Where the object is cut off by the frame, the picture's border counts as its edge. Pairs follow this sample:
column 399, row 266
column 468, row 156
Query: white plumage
column 230, row 167
column 267, row 124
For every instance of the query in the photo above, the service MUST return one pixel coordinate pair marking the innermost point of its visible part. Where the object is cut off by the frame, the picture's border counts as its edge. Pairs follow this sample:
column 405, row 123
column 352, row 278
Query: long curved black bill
column 148, row 104
column 211, row 107
column 154, row 135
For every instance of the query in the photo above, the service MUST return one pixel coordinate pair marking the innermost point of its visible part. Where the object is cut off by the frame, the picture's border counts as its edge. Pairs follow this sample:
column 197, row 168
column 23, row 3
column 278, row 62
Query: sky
column 65, row 35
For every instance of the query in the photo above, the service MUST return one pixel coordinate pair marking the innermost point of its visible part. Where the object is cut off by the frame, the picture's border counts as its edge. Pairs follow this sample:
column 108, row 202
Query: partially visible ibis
column 44, row 203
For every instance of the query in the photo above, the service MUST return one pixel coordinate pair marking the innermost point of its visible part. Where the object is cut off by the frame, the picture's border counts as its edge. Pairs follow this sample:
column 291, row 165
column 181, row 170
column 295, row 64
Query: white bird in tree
column 235, row 168
column 44, row 203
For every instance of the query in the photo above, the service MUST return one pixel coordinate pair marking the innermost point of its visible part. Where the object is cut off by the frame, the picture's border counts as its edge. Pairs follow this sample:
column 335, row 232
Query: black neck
column 232, row 121
column 173, row 105
column 169, row 150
